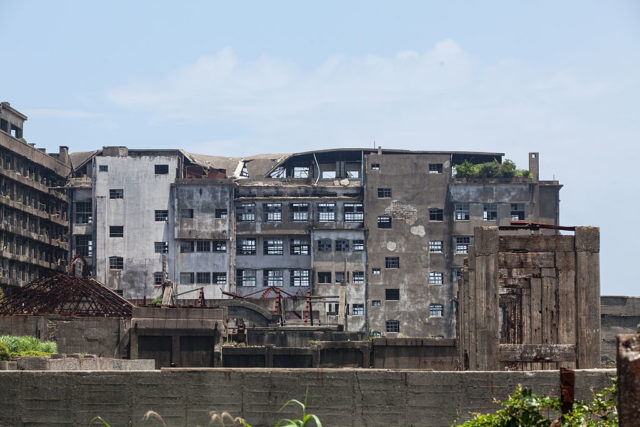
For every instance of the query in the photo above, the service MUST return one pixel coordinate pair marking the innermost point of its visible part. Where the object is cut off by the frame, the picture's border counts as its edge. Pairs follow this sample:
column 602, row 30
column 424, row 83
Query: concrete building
column 383, row 231
column 33, row 205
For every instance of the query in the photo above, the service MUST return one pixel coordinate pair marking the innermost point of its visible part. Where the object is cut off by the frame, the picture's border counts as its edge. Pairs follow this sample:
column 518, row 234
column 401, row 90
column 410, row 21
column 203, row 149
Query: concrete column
column 628, row 379
column 587, row 246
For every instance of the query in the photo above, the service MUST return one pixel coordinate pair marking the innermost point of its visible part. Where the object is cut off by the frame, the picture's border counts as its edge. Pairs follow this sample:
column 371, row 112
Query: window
column 436, row 310
column 392, row 262
column 186, row 213
column 342, row 245
column 161, row 215
column 324, row 245
column 384, row 221
column 353, row 170
column 161, row 247
column 246, row 212
column 332, row 308
column 116, row 231
column 376, row 303
column 301, row 172
column 273, row 278
column 326, row 212
column 221, row 213
column 246, row 246
column 273, row 212
column 489, row 212
column 157, row 278
column 186, row 247
column 375, row 166
column 300, row 277
column 353, row 212
column 117, row 193
column 384, row 193
column 392, row 325
column 436, row 278
column 327, row 172
column 341, row 277
column 278, row 172
column 84, row 214
column 517, row 211
column 456, row 274
column 299, row 246
column 162, row 169
column 219, row 278
column 392, row 294
column 115, row 263
column 435, row 214
column 375, row 271
column 103, row 168
column 435, row 246
column 273, row 246
column 358, row 245
column 84, row 245
column 462, row 212
column 203, row 246
column 435, row 168
column 244, row 172
column 203, row 278
column 246, row 277
column 219, row 246
column 120, row 292
column 187, row 278
column 358, row 309
column 324, row 277
column 462, row 244
column 299, row 212
column 358, row 277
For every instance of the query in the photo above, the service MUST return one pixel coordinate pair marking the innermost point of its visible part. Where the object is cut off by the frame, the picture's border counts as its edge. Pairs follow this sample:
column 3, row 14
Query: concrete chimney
column 534, row 165
column 63, row 156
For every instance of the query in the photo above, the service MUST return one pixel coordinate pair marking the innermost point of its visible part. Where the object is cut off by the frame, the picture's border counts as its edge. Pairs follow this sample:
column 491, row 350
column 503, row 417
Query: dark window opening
column 162, row 169
column 392, row 294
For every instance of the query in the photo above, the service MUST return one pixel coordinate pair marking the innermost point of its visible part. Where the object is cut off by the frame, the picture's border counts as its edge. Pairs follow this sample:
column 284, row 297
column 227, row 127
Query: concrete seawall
column 340, row 397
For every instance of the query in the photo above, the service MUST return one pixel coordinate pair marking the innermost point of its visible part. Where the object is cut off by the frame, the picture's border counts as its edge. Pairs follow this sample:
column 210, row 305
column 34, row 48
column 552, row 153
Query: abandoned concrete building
column 33, row 205
column 385, row 230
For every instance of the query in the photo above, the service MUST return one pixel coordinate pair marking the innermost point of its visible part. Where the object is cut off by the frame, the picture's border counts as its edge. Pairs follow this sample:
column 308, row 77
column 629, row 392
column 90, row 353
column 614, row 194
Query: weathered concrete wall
column 619, row 315
column 338, row 396
column 414, row 353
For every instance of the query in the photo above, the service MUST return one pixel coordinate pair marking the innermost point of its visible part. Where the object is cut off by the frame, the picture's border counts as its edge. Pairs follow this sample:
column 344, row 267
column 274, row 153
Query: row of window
column 198, row 278
column 351, row 309
column 324, row 277
column 298, row 277
column 435, row 310
column 434, row 168
column 297, row 246
column 159, row 169
column 300, row 212
column 489, row 212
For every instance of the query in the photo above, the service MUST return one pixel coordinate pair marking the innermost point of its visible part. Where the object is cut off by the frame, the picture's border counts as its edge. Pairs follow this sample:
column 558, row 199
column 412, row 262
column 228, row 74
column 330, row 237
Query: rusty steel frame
column 66, row 295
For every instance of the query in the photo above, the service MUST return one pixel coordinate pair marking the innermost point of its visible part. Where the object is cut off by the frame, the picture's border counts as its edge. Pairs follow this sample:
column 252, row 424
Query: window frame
column 392, row 262
column 436, row 278
column 299, row 246
column 116, row 231
column 436, row 246
column 435, row 168
column 299, row 212
column 385, row 222
column 247, row 277
column 246, row 212
column 161, row 215
column 272, row 212
column 116, row 193
column 326, row 211
column 384, row 193
column 116, row 263
column 436, row 310
column 325, row 245
column 161, row 247
column 187, row 278
column 353, row 212
column 489, row 212
column 270, row 278
column 161, row 169
column 273, row 246
column 436, row 214
column 392, row 326
column 246, row 246
column 462, row 212
column 300, row 278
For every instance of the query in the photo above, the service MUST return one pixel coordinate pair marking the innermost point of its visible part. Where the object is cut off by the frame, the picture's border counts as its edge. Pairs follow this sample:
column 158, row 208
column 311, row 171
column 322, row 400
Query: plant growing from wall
column 28, row 346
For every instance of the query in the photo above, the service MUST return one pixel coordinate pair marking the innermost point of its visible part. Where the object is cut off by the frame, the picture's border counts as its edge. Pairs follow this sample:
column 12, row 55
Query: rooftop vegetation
column 11, row 346
column 506, row 169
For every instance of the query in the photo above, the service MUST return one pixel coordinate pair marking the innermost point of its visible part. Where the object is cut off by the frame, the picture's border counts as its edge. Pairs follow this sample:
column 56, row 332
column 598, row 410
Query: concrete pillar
column 628, row 379
column 587, row 246
column 534, row 165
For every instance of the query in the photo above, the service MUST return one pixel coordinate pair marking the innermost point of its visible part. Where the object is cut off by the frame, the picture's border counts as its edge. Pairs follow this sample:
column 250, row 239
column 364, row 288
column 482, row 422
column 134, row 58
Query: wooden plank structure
column 529, row 302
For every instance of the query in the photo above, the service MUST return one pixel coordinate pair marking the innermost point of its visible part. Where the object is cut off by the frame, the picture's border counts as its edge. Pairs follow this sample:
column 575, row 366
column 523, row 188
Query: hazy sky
column 238, row 78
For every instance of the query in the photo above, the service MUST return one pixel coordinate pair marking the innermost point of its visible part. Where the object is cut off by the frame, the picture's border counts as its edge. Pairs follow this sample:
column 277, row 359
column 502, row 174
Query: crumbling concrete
column 629, row 379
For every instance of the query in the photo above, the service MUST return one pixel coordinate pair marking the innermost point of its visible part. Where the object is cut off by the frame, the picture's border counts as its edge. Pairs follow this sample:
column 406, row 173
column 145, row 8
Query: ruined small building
column 33, row 205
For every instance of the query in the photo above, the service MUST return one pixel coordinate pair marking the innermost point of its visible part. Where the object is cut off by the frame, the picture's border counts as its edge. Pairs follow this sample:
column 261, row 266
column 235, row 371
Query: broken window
column 203, row 246
column 328, row 171
column 384, row 193
column 342, row 245
column 116, row 231
column 326, row 212
column 489, row 212
column 436, row 310
column 299, row 246
column 84, row 214
column 436, row 278
column 115, row 263
column 435, row 168
column 435, row 214
column 392, row 325
column 273, row 278
column 353, row 212
column 117, row 193
column 273, row 212
column 246, row 246
column 245, row 171
column 219, row 246
column 462, row 212
column 376, row 303
column 301, row 172
column 332, row 308
column 186, row 213
column 357, row 309
column 157, row 278
column 246, row 212
column 358, row 245
column 161, row 215
column 462, row 244
column 203, row 278
column 375, row 166
column 187, row 278
column 392, row 262
column 324, row 277
column 517, row 211
column 103, row 168
column 84, row 245
column 246, row 277
column 278, row 172
column 186, row 247
column 299, row 212
column 435, row 246
column 384, row 221
column 340, row 277
column 273, row 246
column 376, row 271
column 300, row 277
column 162, row 169
column 324, row 245
column 358, row 277
column 392, row 294
column 161, row 247
column 219, row 278
column 221, row 213
column 353, row 170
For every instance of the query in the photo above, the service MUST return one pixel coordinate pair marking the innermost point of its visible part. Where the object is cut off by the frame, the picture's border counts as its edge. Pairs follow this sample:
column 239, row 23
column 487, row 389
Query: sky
column 240, row 78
